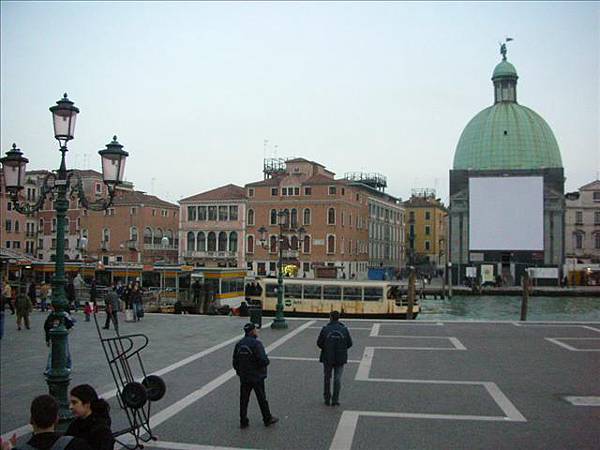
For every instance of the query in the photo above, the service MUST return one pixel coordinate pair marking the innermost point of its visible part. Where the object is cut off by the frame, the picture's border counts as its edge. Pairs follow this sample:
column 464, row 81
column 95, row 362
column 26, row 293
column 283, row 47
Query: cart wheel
column 155, row 387
column 134, row 395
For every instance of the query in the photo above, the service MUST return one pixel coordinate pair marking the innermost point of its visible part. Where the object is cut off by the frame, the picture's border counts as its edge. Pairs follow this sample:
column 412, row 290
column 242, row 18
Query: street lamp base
column 279, row 324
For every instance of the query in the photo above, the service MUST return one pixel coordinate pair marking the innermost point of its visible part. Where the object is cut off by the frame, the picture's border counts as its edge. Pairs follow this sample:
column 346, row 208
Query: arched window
column 212, row 242
column 285, row 243
column 306, row 220
column 294, row 243
column 133, row 234
column 331, row 243
column 105, row 235
column 273, row 217
column 158, row 236
column 191, row 241
column 294, row 218
column 233, row 241
column 331, row 216
column 147, row 236
column 222, row 241
column 273, row 246
column 306, row 244
column 250, row 217
column 169, row 234
column 201, row 241
column 250, row 247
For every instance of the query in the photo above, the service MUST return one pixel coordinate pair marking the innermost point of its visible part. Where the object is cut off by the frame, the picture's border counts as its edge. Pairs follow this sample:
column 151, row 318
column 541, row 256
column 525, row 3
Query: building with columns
column 506, row 190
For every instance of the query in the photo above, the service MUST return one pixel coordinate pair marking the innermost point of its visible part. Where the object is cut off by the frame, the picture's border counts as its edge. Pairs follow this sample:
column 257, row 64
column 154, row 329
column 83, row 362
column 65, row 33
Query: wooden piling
column 412, row 281
column 525, row 298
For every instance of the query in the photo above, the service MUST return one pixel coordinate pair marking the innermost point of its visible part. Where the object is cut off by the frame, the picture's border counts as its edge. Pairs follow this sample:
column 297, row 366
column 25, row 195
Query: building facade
column 212, row 228
column 582, row 223
column 425, row 231
column 506, row 191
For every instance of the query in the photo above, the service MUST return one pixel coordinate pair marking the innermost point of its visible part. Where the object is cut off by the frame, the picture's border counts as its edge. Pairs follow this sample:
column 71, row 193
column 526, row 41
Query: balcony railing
column 196, row 254
column 160, row 247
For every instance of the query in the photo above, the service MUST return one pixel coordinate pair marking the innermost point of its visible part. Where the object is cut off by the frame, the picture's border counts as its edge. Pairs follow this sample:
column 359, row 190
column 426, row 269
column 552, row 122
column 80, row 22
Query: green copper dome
column 504, row 70
column 506, row 135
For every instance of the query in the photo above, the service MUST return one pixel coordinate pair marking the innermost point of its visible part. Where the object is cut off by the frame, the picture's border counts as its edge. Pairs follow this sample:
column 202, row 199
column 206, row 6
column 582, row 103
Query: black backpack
column 335, row 347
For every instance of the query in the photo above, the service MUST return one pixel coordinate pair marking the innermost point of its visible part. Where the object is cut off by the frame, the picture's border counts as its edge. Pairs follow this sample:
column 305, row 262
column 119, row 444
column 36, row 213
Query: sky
column 199, row 93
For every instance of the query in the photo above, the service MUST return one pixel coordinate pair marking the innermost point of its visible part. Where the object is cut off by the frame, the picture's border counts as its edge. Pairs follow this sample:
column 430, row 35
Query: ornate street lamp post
column 62, row 184
column 283, row 220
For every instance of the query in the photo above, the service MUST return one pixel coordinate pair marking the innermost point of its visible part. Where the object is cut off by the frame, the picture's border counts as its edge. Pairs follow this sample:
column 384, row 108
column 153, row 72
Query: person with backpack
column 250, row 363
column 334, row 341
column 44, row 417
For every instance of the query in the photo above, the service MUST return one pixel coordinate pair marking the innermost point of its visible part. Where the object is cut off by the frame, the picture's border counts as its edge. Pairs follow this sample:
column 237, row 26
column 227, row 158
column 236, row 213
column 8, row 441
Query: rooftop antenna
column 276, row 147
column 265, row 142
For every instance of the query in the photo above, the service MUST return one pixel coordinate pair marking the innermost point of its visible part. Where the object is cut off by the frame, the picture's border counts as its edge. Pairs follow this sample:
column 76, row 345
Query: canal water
column 509, row 308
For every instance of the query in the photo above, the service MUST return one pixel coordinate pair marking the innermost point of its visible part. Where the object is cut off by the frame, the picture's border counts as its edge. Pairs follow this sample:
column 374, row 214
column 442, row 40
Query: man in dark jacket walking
column 111, row 302
column 334, row 342
column 250, row 363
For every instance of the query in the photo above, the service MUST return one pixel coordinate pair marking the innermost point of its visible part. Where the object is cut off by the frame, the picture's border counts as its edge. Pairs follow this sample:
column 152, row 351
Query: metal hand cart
column 134, row 398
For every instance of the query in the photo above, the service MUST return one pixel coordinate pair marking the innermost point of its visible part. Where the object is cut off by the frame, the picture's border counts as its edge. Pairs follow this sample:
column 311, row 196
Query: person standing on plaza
column 44, row 292
column 93, row 291
column 24, row 308
column 7, row 296
column 78, row 285
column 334, row 341
column 112, row 303
column 250, row 362
column 32, row 293
column 135, row 297
column 71, row 296
column 92, row 419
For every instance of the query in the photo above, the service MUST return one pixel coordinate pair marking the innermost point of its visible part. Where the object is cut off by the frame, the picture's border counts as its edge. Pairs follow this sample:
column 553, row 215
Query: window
column 132, row 211
column 54, row 225
column 294, row 218
column 233, row 239
column 427, row 230
column 8, row 225
column 223, row 213
column 427, row 215
column 251, row 192
column 411, row 216
column 306, row 218
column 147, row 236
column 106, row 235
column 358, row 198
column 596, row 196
column 273, row 244
column 41, row 226
column 250, row 217
column 133, row 234
column 352, row 293
column 17, row 244
column 272, row 268
column 306, row 248
column 578, row 217
column 294, row 244
column 164, row 213
column 250, row 245
column 212, row 241
column 222, row 241
column 233, row 212
column 373, row 294
column 98, row 188
column 306, row 268
column 153, row 212
column 308, row 190
column 7, row 245
column 596, row 217
column 296, row 191
column 212, row 213
column 331, row 216
column 332, row 190
column 158, row 234
column 331, row 244
column 597, row 241
column 201, row 212
column 284, row 191
column 274, row 192
column 273, row 217
column 427, row 245
column 578, row 240
column 201, row 241
column 332, row 293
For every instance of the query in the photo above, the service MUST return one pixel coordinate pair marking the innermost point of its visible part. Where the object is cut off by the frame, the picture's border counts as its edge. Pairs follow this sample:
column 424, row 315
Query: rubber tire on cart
column 155, row 387
column 134, row 395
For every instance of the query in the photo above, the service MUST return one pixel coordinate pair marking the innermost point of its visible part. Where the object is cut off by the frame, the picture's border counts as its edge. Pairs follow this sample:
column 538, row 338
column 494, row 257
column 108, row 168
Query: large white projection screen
column 506, row 213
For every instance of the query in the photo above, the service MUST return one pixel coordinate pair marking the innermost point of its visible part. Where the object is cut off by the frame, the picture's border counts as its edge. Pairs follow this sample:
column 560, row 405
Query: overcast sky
column 193, row 89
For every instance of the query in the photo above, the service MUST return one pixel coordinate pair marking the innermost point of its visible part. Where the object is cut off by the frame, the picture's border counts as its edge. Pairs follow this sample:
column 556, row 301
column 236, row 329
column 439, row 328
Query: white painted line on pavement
column 558, row 342
column 344, row 434
column 557, row 325
column 583, row 401
column 182, row 446
column 25, row 429
column 350, row 328
column 375, row 330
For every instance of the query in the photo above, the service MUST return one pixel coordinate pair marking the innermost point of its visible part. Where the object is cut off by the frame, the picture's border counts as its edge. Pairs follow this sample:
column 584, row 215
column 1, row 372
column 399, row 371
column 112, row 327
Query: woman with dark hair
column 92, row 422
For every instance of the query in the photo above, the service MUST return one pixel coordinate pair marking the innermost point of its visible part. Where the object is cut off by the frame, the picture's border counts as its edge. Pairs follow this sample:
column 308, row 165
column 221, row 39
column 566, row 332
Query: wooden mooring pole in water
column 410, row 294
column 525, row 298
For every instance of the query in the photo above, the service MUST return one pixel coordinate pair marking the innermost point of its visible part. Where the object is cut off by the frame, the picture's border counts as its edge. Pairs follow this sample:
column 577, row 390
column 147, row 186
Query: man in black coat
column 334, row 342
column 250, row 363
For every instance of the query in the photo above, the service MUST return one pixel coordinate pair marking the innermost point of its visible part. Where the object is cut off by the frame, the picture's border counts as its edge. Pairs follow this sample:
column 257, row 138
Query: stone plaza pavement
column 408, row 385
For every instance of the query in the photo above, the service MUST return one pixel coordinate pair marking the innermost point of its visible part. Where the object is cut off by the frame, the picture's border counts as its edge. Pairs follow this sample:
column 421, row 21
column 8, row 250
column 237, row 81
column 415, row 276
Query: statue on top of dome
column 503, row 48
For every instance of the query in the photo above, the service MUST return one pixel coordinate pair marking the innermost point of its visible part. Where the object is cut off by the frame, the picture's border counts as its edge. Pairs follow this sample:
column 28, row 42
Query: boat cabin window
column 312, row 292
column 293, row 290
column 352, row 293
column 271, row 290
column 332, row 293
column 373, row 294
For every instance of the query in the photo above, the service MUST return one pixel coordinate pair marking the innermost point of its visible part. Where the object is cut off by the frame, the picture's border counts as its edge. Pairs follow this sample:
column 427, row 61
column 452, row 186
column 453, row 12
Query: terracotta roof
column 268, row 182
column 88, row 173
column 227, row 192
column 123, row 198
column 295, row 160
column 322, row 179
